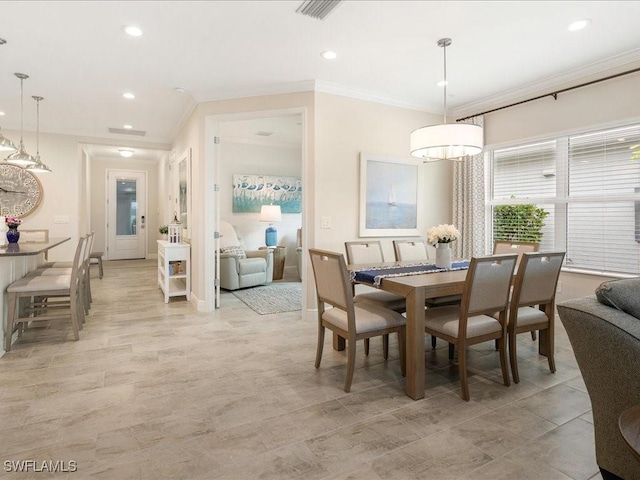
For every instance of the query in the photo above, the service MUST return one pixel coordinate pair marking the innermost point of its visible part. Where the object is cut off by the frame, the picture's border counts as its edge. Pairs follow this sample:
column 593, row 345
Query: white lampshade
column 451, row 141
column 270, row 213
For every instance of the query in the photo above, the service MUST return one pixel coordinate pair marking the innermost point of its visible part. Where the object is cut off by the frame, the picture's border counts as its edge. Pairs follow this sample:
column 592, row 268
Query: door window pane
column 126, row 207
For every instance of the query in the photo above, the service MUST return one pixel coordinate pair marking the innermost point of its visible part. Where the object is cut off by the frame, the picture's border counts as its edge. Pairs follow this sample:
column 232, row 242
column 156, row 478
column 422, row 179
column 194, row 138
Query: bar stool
column 96, row 259
column 29, row 299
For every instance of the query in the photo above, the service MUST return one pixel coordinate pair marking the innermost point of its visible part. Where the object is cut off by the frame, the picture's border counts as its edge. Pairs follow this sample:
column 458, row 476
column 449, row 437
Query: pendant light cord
column 444, row 47
column 21, row 107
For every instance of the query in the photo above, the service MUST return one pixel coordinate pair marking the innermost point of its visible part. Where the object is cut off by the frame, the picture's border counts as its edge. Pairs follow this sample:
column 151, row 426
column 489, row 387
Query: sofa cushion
column 621, row 294
column 234, row 250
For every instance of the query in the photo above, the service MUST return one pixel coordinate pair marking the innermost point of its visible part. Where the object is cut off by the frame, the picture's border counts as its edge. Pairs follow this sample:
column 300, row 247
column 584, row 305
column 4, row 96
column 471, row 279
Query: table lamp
column 270, row 213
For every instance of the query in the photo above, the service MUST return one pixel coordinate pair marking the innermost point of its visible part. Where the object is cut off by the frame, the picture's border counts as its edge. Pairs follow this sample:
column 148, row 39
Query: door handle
column 142, row 221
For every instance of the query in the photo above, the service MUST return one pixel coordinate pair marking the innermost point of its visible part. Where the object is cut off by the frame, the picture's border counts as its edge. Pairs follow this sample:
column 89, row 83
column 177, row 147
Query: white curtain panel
column 469, row 203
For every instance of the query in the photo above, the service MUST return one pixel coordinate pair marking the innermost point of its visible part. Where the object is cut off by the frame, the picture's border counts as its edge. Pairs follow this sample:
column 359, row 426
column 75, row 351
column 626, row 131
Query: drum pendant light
column 449, row 141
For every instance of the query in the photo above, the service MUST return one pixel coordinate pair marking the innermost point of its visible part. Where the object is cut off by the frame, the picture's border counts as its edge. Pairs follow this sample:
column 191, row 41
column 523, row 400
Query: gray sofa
column 606, row 343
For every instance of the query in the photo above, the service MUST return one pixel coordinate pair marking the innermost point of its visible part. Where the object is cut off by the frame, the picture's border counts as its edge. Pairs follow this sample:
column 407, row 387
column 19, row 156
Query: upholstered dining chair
column 532, row 304
column 371, row 252
column 29, row 298
column 352, row 321
column 507, row 246
column 416, row 250
column 410, row 250
column 485, row 292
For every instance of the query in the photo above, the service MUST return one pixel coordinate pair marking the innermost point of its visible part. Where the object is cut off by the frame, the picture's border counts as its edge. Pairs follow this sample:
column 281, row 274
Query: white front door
column 126, row 214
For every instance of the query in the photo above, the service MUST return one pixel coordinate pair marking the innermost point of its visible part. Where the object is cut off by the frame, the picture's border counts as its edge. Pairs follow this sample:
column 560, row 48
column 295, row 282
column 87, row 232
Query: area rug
column 273, row 298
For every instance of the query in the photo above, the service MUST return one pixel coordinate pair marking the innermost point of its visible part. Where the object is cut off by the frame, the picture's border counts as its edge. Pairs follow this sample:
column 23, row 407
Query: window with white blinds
column 589, row 184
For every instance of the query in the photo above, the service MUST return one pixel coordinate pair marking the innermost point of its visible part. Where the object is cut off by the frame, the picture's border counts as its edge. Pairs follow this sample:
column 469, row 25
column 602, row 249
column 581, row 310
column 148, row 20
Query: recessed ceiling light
column 127, row 127
column 180, row 90
column 129, row 95
column 1, row 114
column 442, row 83
column 132, row 30
column 579, row 25
column 329, row 55
column 125, row 152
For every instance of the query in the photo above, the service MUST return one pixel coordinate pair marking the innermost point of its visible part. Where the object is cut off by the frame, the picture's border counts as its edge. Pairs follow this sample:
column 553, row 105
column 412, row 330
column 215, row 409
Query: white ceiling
column 80, row 60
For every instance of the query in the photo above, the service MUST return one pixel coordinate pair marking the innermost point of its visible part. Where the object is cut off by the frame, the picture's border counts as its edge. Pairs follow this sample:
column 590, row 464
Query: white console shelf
column 174, row 269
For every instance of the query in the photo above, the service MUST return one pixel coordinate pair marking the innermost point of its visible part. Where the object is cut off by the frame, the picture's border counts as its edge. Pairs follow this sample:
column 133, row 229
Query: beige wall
column 61, row 189
column 601, row 105
column 345, row 127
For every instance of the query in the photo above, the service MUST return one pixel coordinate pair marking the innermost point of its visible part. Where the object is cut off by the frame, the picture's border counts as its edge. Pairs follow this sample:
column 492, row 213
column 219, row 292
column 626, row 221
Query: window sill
column 597, row 273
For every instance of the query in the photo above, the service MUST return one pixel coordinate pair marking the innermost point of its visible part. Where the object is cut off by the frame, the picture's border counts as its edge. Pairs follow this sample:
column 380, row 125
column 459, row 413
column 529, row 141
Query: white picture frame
column 391, row 196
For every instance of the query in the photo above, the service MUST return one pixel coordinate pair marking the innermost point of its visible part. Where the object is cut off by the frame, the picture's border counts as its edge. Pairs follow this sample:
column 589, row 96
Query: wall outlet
column 62, row 219
column 325, row 222
column 559, row 287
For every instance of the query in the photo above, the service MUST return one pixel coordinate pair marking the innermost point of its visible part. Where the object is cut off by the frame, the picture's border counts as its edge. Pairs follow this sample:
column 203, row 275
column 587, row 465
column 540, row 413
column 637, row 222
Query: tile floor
column 159, row 391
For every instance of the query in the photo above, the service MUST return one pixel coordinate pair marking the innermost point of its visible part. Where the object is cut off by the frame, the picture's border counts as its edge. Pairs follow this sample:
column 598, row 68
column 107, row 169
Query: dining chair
column 370, row 251
column 29, row 299
column 532, row 305
column 416, row 250
column 507, row 246
column 352, row 321
column 410, row 250
column 485, row 292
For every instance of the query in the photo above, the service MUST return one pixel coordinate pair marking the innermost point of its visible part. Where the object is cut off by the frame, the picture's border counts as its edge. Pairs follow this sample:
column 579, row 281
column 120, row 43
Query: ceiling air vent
column 264, row 134
column 124, row 131
column 318, row 8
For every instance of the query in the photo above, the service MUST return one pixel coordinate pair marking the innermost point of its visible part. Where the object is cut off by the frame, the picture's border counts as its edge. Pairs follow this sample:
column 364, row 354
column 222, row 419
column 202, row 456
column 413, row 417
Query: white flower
column 442, row 234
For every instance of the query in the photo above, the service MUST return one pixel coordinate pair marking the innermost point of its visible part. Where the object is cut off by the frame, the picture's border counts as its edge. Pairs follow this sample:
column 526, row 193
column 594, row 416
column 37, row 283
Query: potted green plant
column 164, row 230
column 518, row 223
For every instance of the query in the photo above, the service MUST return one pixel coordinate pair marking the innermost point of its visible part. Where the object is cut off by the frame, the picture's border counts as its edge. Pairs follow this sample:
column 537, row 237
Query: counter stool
column 95, row 258
column 29, row 299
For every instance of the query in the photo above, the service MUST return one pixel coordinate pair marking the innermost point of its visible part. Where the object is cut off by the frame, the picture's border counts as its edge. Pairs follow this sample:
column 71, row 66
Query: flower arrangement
column 164, row 229
column 442, row 234
column 12, row 222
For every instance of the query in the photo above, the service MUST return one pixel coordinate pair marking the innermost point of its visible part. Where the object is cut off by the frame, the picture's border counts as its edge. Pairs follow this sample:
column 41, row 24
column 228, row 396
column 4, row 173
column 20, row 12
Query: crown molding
column 548, row 85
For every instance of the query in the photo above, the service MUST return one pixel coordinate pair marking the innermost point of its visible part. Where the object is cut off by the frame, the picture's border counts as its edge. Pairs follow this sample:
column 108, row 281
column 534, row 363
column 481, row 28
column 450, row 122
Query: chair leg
column 462, row 369
column 11, row 314
column 433, row 341
column 351, row 363
column 402, row 351
column 320, row 345
column 385, row 346
column 533, row 335
column 366, row 346
column 513, row 357
column 101, row 272
column 546, row 338
column 503, row 362
column 451, row 351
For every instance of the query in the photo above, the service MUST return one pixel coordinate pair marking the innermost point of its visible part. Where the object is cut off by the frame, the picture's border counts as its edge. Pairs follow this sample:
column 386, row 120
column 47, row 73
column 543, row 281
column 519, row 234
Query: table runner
column 374, row 276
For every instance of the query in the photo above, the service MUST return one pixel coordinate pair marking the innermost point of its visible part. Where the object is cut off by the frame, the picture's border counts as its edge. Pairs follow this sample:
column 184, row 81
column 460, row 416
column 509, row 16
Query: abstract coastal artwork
column 250, row 192
column 389, row 196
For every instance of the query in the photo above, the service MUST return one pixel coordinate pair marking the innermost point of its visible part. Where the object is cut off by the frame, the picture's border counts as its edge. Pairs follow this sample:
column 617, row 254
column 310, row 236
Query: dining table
column 415, row 287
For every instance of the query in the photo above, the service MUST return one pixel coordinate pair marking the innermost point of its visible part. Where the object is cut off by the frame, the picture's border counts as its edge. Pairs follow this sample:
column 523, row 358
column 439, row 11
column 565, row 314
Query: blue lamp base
column 271, row 236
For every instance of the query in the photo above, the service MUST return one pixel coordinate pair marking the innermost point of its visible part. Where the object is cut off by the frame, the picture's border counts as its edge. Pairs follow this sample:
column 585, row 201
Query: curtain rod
column 553, row 94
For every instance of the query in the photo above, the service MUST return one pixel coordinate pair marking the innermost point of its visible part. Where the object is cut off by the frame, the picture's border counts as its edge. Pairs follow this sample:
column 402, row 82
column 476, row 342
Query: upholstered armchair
column 241, row 268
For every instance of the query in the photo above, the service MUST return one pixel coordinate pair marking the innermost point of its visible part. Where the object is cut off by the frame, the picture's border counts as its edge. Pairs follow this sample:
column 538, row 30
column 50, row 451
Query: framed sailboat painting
column 390, row 196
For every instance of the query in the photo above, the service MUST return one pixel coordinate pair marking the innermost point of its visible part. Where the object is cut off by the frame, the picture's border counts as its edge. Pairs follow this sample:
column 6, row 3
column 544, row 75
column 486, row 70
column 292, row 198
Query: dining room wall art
column 390, row 196
column 250, row 192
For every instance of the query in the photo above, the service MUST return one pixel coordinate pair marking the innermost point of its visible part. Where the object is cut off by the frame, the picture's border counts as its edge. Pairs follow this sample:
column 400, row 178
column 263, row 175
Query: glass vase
column 13, row 235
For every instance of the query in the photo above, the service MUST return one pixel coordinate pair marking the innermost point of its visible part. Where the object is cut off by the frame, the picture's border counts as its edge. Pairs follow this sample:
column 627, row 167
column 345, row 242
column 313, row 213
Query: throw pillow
column 621, row 294
column 235, row 250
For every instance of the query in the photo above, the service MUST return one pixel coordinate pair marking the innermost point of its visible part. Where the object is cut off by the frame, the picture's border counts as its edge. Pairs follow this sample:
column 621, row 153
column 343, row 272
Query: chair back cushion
column 409, row 250
column 330, row 272
column 364, row 252
column 537, row 278
column 487, row 285
column 504, row 246
column 229, row 236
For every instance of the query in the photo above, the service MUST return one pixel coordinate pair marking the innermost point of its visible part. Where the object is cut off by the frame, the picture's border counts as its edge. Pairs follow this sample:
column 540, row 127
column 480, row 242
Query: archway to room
column 263, row 153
